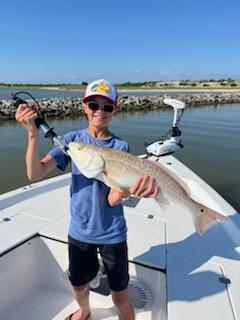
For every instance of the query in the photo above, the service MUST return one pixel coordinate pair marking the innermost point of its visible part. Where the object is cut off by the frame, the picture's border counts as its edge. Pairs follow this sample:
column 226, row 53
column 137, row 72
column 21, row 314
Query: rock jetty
column 63, row 107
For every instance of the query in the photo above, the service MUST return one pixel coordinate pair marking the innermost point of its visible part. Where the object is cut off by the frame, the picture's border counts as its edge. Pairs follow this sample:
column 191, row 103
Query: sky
column 55, row 41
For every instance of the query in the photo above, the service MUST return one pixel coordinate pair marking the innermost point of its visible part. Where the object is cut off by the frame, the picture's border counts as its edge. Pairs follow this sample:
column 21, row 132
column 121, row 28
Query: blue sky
column 50, row 41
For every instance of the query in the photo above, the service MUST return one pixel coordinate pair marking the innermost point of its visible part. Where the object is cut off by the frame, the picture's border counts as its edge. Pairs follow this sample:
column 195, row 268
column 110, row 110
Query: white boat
column 175, row 273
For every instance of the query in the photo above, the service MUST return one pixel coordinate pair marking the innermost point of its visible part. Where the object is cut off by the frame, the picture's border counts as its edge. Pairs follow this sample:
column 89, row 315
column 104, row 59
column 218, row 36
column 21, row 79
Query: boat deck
column 189, row 276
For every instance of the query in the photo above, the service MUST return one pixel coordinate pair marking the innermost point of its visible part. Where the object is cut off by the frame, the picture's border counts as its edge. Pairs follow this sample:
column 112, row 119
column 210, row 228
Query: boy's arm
column 144, row 187
column 36, row 168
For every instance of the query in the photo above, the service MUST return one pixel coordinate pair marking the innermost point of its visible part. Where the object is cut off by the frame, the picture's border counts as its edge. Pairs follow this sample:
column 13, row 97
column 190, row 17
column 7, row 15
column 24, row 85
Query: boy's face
column 99, row 118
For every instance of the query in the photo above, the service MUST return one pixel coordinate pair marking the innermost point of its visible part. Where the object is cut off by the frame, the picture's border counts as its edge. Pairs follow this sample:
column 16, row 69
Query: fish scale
column 128, row 165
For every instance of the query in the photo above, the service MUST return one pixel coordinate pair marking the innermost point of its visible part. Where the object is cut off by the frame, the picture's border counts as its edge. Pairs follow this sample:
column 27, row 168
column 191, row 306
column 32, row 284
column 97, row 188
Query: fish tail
column 207, row 218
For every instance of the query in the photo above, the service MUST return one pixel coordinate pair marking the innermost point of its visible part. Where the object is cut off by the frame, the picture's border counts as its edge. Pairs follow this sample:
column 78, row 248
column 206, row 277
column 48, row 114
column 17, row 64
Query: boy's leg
column 81, row 294
column 83, row 267
column 115, row 259
column 123, row 305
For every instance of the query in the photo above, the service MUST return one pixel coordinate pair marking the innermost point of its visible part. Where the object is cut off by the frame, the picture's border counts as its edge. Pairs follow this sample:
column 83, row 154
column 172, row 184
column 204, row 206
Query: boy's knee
column 120, row 298
column 80, row 289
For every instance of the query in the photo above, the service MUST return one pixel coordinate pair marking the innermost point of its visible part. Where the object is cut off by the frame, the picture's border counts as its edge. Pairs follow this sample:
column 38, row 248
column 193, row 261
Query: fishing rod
column 40, row 121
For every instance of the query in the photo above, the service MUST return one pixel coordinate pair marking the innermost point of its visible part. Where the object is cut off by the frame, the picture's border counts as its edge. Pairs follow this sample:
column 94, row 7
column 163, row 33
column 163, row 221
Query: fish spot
column 201, row 210
column 169, row 163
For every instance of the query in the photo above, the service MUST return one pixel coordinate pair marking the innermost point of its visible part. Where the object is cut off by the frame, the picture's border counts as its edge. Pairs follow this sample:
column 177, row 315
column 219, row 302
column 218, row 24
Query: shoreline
column 151, row 90
column 62, row 107
column 133, row 89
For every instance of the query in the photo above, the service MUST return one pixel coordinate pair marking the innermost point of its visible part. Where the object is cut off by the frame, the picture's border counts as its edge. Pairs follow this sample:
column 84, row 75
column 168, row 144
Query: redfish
column 119, row 170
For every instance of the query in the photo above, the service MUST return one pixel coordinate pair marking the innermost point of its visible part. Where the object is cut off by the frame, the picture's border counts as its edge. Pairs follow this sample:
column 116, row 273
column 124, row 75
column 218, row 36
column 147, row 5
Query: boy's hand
column 144, row 187
column 26, row 114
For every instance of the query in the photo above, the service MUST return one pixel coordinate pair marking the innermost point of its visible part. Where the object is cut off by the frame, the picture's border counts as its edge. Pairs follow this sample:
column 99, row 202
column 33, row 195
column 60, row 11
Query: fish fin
column 206, row 219
column 96, row 166
column 161, row 201
column 111, row 183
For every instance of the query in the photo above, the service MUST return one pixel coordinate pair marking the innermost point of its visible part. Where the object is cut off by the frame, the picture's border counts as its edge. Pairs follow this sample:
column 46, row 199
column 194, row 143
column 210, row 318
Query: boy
column 97, row 219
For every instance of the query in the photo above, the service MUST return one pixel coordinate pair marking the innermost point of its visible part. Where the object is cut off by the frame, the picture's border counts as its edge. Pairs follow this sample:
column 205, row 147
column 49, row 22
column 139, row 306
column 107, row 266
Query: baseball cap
column 101, row 88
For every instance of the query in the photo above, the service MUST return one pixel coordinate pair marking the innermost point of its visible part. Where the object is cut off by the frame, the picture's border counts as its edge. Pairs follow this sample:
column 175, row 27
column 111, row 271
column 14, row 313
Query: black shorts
column 83, row 263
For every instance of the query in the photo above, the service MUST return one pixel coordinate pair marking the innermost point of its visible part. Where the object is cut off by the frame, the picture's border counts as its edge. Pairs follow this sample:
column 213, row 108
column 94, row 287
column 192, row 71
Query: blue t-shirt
column 93, row 220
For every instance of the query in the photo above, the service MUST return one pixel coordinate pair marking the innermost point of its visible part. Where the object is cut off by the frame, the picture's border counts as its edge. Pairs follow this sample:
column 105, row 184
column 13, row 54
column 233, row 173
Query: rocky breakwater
column 51, row 108
column 133, row 103
column 63, row 107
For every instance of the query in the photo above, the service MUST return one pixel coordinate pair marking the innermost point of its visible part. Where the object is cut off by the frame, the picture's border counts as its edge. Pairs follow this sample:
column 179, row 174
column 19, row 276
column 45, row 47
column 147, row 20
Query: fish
column 119, row 170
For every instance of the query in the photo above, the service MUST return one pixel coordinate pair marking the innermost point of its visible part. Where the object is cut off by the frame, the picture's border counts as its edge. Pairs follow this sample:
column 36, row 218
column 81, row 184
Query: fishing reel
column 173, row 142
column 39, row 122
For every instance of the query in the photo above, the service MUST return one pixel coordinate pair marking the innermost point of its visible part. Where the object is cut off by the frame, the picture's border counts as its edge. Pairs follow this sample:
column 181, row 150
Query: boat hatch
column 200, row 293
column 33, row 285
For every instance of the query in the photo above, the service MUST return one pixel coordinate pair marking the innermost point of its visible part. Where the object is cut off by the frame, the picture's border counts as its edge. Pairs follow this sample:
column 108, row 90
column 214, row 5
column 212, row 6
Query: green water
column 210, row 137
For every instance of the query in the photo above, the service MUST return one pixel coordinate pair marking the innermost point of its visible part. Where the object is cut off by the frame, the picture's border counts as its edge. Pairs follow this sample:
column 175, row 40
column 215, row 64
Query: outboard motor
column 173, row 142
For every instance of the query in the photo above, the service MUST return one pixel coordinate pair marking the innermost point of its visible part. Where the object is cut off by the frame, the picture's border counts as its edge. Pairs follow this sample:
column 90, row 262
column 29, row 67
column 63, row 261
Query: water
column 210, row 138
column 41, row 93
column 5, row 93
